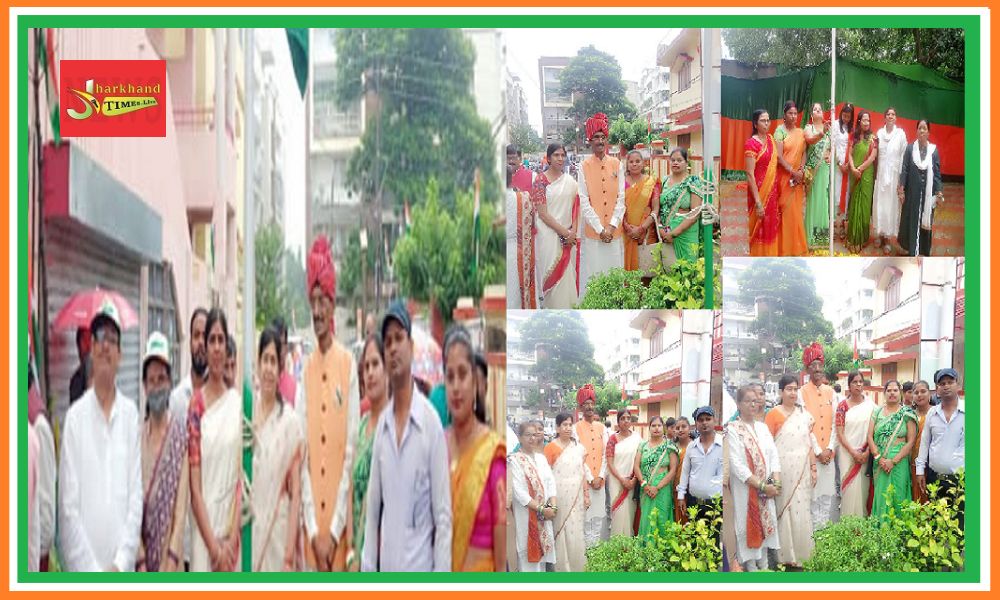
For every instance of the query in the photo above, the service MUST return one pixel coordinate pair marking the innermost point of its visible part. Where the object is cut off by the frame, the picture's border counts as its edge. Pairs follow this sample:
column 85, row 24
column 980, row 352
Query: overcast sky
column 293, row 126
column 635, row 50
column 830, row 273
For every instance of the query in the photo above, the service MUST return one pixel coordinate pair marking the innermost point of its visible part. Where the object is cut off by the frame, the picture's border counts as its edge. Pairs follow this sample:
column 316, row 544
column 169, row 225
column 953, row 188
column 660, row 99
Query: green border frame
column 973, row 27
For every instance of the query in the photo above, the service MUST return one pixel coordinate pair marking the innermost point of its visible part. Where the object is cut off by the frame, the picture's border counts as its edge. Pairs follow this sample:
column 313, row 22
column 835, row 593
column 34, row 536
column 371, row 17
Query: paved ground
column 949, row 224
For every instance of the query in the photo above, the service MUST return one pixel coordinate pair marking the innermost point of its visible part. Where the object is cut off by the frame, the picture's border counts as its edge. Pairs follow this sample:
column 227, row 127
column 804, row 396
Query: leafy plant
column 856, row 545
column 923, row 537
column 680, row 286
column 932, row 538
column 676, row 548
column 616, row 288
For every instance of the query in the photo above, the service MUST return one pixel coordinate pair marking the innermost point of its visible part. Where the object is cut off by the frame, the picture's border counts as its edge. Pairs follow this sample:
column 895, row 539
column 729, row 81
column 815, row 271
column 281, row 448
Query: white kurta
column 738, row 475
column 885, row 205
column 100, row 486
column 597, row 257
column 521, row 513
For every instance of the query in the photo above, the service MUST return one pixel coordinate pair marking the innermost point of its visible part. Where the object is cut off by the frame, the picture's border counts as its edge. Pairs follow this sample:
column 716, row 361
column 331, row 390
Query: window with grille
column 684, row 76
column 162, row 311
column 656, row 343
column 892, row 293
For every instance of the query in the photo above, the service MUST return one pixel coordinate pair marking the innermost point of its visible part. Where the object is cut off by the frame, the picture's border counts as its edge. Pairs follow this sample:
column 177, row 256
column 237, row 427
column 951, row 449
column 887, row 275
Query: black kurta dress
column 914, row 181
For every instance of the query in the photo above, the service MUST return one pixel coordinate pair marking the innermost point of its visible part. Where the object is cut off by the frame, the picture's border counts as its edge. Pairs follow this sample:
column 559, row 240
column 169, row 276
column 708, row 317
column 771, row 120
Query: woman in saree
column 557, row 247
column 567, row 458
column 375, row 382
column 891, row 433
column 921, row 405
column 885, row 201
column 851, row 423
column 754, row 481
column 478, row 464
column 520, row 230
column 790, row 141
column 679, row 208
column 277, row 459
column 656, row 468
column 640, row 190
column 861, row 161
column 535, row 504
column 920, row 190
column 621, row 450
column 762, row 187
column 841, row 140
column 215, row 440
column 792, row 428
column 683, row 441
column 817, row 174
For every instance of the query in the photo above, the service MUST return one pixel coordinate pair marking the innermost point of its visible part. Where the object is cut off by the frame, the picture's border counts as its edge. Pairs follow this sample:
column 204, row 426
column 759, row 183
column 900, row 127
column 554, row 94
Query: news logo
column 113, row 98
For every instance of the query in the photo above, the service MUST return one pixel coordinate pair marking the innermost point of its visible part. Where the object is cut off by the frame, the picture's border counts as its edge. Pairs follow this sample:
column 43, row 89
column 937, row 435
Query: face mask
column 158, row 401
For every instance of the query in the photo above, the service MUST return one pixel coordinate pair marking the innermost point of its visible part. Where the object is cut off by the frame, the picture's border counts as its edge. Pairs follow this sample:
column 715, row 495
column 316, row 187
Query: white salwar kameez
column 521, row 513
column 886, row 205
column 752, row 559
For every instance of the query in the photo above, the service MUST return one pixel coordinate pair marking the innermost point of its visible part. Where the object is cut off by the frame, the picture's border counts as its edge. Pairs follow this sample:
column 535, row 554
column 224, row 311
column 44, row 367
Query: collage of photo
column 496, row 300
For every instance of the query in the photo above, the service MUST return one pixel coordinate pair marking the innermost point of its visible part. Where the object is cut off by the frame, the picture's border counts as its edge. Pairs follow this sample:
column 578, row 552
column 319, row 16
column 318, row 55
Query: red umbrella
column 80, row 309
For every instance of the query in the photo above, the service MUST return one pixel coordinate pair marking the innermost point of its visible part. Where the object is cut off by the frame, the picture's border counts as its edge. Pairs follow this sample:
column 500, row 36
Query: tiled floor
column 949, row 224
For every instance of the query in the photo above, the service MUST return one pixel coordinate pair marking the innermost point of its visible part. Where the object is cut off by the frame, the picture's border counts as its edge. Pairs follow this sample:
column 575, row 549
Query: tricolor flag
column 46, row 56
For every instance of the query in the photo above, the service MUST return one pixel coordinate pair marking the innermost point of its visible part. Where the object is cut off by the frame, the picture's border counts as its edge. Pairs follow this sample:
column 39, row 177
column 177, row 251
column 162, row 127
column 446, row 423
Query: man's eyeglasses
column 105, row 335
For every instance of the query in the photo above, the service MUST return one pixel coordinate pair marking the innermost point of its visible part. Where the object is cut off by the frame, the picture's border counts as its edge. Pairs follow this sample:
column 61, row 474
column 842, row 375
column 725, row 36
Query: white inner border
column 634, row 582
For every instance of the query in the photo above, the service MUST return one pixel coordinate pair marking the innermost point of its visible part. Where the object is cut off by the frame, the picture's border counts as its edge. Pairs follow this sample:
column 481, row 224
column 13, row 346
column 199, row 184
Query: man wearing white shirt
column 701, row 473
column 942, row 443
column 100, row 476
column 601, row 185
column 409, row 520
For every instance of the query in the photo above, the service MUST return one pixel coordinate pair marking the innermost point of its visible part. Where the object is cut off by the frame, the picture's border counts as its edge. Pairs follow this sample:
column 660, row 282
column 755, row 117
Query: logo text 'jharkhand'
column 113, row 105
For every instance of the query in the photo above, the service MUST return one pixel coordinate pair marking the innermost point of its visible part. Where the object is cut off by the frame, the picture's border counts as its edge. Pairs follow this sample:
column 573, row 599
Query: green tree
column 940, row 49
column 350, row 279
column 434, row 260
column 565, row 355
column 526, row 138
column 296, row 295
column 594, row 80
column 790, row 312
column 269, row 289
column 422, row 121
column 837, row 356
column 629, row 132
column 609, row 396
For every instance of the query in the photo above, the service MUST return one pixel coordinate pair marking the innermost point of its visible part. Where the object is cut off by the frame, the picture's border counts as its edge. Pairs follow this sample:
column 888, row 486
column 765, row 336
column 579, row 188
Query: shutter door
column 77, row 259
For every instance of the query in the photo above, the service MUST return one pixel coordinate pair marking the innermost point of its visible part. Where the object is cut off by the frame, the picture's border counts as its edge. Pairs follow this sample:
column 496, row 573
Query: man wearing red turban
column 331, row 412
column 590, row 431
column 817, row 398
column 601, row 184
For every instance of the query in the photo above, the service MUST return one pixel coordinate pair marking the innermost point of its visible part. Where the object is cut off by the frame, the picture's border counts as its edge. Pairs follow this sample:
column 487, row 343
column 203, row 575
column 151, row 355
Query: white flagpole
column 834, row 167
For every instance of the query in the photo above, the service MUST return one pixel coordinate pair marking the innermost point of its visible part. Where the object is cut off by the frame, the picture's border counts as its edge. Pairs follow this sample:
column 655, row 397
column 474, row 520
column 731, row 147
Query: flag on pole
column 649, row 128
column 46, row 56
column 475, row 225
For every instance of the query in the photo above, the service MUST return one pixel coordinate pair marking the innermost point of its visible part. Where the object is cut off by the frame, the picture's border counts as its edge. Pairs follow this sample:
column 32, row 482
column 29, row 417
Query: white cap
column 157, row 347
